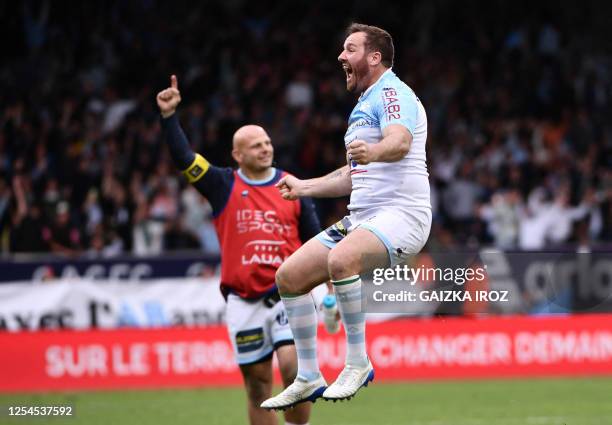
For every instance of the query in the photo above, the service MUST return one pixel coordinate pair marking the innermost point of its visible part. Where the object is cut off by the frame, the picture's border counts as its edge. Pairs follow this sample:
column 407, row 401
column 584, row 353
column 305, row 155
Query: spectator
column 63, row 236
column 503, row 216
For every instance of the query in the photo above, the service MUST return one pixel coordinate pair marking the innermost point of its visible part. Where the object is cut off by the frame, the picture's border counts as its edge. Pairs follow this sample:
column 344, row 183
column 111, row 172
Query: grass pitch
column 507, row 402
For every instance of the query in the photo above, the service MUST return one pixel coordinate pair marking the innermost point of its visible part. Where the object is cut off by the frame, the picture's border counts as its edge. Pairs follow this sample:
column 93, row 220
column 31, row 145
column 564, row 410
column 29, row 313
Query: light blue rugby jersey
column 404, row 183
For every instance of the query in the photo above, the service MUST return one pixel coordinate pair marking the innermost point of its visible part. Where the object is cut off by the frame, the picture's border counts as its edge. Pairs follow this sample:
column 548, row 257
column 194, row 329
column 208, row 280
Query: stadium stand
column 519, row 100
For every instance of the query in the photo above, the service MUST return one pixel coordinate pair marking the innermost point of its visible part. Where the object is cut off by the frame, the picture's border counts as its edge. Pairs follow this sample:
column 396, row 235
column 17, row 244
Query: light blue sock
column 348, row 295
column 302, row 316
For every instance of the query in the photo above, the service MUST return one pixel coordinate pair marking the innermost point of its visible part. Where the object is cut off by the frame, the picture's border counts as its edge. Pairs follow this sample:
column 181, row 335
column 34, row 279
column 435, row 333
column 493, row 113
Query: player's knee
column 285, row 284
column 341, row 264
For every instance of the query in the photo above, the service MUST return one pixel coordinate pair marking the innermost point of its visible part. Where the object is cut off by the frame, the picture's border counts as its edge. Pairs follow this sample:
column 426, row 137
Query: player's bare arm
column 332, row 185
column 393, row 147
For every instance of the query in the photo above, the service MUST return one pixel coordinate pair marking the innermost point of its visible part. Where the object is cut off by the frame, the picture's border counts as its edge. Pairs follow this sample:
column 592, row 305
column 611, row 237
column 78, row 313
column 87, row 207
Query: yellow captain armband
column 197, row 169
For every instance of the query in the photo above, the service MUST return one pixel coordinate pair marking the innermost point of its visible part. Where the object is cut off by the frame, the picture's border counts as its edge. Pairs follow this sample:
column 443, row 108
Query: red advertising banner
column 515, row 346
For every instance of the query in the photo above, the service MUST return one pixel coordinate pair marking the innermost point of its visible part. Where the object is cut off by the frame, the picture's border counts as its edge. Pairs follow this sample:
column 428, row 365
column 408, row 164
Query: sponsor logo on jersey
column 361, row 122
column 263, row 252
column 391, row 104
column 249, row 220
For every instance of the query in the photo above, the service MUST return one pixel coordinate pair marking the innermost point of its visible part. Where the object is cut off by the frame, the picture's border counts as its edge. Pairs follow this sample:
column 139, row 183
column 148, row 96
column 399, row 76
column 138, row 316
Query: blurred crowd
column 519, row 101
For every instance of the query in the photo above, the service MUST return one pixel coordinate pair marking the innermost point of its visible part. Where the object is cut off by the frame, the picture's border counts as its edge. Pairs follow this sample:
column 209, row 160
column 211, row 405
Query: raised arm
column 333, row 185
column 180, row 151
column 212, row 182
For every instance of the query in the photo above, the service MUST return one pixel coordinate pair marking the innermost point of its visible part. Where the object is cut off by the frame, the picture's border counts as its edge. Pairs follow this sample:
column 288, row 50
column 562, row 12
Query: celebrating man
column 390, row 214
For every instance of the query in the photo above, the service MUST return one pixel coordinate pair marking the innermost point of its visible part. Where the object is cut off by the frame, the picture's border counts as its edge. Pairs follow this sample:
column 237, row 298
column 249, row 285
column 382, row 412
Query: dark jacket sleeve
column 216, row 183
column 177, row 142
column 309, row 221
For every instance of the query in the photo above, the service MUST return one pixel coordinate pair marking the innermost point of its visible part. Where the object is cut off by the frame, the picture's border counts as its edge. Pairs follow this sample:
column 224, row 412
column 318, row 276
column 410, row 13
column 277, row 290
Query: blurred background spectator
column 518, row 96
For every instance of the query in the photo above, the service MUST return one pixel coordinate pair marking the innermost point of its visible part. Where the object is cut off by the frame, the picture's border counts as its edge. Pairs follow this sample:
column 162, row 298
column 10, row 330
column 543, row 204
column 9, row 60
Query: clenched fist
column 361, row 152
column 168, row 99
column 290, row 187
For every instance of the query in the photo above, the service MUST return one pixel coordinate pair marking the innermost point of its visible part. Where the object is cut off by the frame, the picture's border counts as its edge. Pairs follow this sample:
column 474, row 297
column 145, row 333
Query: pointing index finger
column 173, row 82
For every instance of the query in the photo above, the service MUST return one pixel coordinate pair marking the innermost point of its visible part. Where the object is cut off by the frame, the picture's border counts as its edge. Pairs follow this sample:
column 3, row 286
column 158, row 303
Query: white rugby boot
column 299, row 391
column 350, row 380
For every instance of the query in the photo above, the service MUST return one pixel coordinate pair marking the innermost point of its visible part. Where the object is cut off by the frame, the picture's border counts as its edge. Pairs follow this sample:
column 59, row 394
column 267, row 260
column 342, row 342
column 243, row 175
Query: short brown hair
column 377, row 40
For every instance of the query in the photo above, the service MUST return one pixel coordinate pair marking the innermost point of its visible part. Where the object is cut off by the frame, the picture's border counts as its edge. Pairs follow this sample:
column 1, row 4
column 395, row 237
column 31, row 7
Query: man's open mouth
column 348, row 70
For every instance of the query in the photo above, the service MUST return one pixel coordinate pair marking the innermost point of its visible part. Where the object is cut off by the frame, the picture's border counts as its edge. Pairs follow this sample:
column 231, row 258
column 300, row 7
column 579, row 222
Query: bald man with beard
column 257, row 231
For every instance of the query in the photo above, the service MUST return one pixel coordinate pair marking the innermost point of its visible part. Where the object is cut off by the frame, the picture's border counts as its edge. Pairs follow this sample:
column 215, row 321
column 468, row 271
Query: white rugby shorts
column 404, row 232
column 255, row 329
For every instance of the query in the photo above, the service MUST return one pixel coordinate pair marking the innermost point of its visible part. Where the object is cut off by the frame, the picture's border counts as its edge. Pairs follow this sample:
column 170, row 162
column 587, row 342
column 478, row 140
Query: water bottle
column 330, row 308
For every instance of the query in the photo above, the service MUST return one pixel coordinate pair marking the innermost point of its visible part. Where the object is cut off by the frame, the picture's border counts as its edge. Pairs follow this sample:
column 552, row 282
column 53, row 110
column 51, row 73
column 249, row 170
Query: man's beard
column 360, row 72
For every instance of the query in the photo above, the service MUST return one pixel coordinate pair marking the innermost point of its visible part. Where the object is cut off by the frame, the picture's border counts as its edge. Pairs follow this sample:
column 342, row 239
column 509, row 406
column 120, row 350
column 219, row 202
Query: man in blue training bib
column 389, row 214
